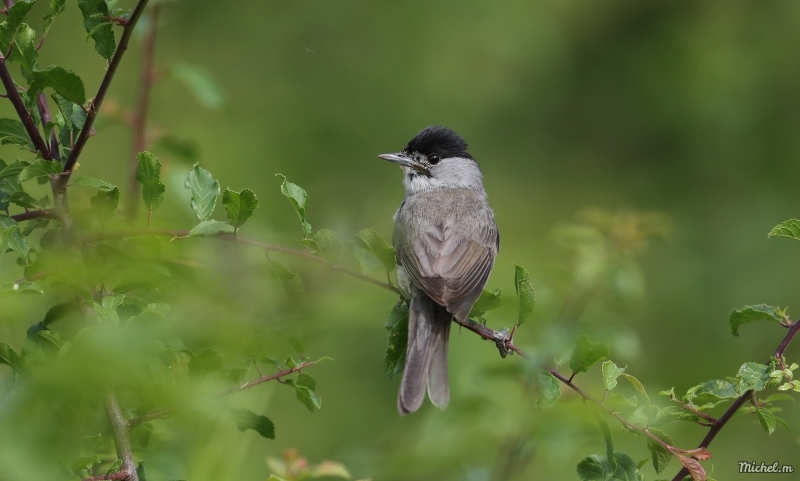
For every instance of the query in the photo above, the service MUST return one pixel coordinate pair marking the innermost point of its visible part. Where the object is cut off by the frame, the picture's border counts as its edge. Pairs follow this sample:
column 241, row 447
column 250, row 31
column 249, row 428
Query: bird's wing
column 451, row 264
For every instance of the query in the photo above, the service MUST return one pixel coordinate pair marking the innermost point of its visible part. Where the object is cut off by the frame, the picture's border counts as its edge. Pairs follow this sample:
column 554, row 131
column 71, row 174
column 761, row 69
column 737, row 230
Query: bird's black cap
column 440, row 141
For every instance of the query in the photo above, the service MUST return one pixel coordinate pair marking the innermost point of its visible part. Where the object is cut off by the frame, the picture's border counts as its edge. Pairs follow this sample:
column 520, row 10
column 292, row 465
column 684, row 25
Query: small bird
column 446, row 241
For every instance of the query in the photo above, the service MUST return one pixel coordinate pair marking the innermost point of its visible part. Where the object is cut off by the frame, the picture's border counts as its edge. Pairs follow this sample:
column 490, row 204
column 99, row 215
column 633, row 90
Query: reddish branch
column 142, row 105
column 34, row 214
column 119, row 475
column 97, row 102
column 24, row 114
column 717, row 427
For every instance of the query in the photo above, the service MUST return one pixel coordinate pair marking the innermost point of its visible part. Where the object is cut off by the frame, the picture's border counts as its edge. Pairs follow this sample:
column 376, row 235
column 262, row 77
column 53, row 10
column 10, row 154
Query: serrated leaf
column 719, row 388
column 549, row 389
column 13, row 132
column 695, row 469
column 596, row 468
column 100, row 30
column 618, row 401
column 148, row 174
column 40, row 168
column 327, row 244
column 779, row 397
column 586, row 354
column 56, row 9
column 104, row 204
column 525, row 294
column 673, row 413
column 488, row 301
column 64, row 82
column 766, row 419
column 366, row 260
column 372, row 242
column 752, row 375
column 211, row 227
column 239, row 206
column 23, row 199
column 21, row 287
column 205, row 362
column 609, row 440
column 299, row 200
column 204, row 190
column 658, row 453
column 760, row 312
column 610, row 374
column 397, row 341
column 639, row 388
column 202, row 85
column 24, row 50
column 94, row 182
column 246, row 419
column 291, row 282
column 304, row 387
column 15, row 19
column 788, row 228
column 14, row 169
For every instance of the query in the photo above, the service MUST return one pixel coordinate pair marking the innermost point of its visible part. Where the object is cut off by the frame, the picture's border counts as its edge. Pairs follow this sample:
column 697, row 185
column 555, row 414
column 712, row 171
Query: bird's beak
column 404, row 160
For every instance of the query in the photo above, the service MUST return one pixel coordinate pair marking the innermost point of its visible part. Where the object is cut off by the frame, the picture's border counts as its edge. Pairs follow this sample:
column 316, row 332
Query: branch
column 44, row 112
column 97, row 102
column 118, row 475
column 34, row 214
column 179, row 234
column 22, row 111
column 122, row 440
column 166, row 412
column 716, row 428
column 140, row 114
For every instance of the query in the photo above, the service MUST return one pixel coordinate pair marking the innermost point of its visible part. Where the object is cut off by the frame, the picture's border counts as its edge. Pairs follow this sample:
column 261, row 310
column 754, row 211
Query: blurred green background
column 685, row 108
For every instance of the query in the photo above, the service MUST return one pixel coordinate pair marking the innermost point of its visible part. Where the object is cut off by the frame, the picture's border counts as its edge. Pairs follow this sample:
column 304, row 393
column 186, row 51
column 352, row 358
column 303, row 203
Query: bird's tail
column 426, row 355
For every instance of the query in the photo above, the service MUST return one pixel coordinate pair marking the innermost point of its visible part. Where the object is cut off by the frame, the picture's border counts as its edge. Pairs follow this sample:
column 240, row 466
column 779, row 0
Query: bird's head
column 437, row 158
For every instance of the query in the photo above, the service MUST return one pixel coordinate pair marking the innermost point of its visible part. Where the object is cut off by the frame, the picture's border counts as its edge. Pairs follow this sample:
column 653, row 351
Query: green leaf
column 148, row 174
column 596, row 468
column 398, row 340
column 186, row 150
column 327, row 244
column 63, row 82
column 658, row 453
column 788, row 228
column 291, row 282
column 525, row 294
column 14, row 240
column 760, row 312
column 549, row 389
column 639, row 388
column 152, row 314
column 488, row 301
column 56, row 9
column 752, row 375
column 10, row 358
column 618, row 401
column 100, row 30
column 246, row 419
column 375, row 245
column 304, row 387
column 365, row 259
column 205, row 362
column 141, row 434
column 239, row 206
column 15, row 20
column 779, row 397
column 211, row 227
column 610, row 374
column 586, row 354
column 24, row 50
column 13, row 132
column 23, row 199
column 202, row 85
column 22, row 286
column 91, row 445
column 104, row 204
column 299, row 200
column 673, row 413
column 612, row 463
column 14, row 169
column 40, row 168
column 82, row 463
column 766, row 419
column 204, row 191
column 93, row 182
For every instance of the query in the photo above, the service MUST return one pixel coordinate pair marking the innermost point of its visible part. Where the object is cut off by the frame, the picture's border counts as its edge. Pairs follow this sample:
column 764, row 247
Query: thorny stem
column 166, row 412
column 120, row 431
column 717, row 427
column 140, row 114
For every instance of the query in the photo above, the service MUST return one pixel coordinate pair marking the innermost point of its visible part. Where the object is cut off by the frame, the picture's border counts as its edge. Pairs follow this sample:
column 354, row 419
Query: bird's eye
column 433, row 159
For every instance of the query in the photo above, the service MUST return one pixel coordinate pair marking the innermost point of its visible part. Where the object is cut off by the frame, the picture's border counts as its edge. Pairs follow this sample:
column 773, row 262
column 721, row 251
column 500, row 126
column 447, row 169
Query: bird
column 445, row 239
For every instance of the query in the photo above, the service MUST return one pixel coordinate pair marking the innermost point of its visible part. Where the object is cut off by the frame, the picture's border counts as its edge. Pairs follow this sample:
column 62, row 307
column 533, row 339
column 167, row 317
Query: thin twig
column 140, row 114
column 723, row 420
column 34, row 214
column 44, row 112
column 22, row 111
column 166, row 412
column 118, row 475
column 97, row 102
column 122, row 442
